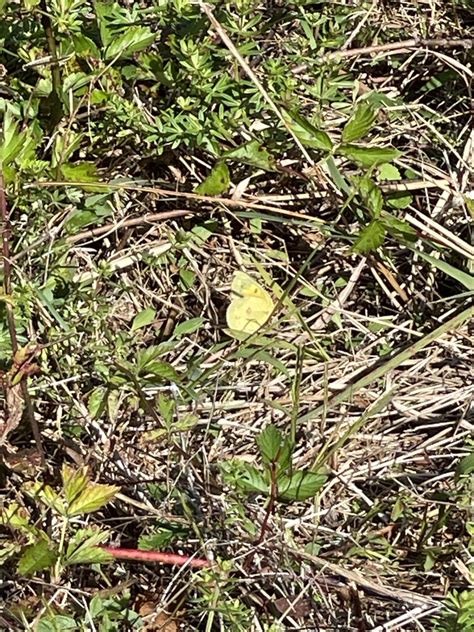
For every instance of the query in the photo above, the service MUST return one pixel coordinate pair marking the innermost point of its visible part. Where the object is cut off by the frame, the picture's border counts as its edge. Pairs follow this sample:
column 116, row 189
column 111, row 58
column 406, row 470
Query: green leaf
column 46, row 495
column 370, row 237
column 80, row 172
column 371, row 194
column 94, row 497
column 307, row 133
column 389, row 172
column 188, row 327
column 217, row 182
column 56, row 623
column 134, row 39
column 369, row 156
column 300, row 485
column 149, row 365
column 143, row 318
column 161, row 538
column 83, row 548
column 244, row 476
column 252, row 153
column 465, row 466
column 360, row 123
column 37, row 557
column 84, row 46
column 269, row 442
column 397, row 227
column 75, row 482
column 461, row 277
column 399, row 199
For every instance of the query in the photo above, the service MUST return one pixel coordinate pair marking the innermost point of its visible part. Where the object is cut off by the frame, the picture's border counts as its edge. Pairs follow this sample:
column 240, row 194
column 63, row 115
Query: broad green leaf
column 369, row 156
column 83, row 548
column 84, row 46
column 217, row 182
column 399, row 199
column 252, row 153
column 398, row 227
column 134, row 39
column 94, row 497
column 269, row 442
column 149, row 365
column 370, row 237
column 307, row 133
column 389, row 172
column 188, row 327
column 75, row 482
column 360, row 123
column 300, row 485
column 143, row 318
column 80, row 172
column 465, row 466
column 37, row 557
column 56, row 623
column 244, row 476
column 459, row 275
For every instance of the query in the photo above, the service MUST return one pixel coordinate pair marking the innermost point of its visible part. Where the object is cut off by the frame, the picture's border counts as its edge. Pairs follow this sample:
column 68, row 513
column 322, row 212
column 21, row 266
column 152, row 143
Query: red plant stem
column 156, row 556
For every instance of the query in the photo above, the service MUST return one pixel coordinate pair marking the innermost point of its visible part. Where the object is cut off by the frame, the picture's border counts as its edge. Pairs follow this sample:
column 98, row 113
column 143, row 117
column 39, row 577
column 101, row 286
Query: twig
column 157, row 556
column 398, row 46
column 399, row 594
column 7, row 288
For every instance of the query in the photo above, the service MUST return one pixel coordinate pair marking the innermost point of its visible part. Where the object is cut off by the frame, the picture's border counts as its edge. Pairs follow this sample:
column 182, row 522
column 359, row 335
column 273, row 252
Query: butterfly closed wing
column 251, row 305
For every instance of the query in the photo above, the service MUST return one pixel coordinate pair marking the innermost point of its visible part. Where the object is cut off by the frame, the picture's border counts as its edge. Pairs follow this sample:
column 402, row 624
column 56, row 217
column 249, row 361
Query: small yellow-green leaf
column 46, row 495
column 37, row 557
column 74, row 482
column 83, row 548
column 92, row 498
column 217, row 182
column 389, row 172
column 143, row 318
column 370, row 238
column 360, row 123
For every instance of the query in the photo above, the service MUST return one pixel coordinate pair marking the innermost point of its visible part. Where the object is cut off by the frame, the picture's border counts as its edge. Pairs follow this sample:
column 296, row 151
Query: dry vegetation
column 116, row 279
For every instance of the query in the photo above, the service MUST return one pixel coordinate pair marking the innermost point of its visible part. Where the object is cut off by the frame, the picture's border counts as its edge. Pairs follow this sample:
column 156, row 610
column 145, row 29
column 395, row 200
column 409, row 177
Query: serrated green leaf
column 370, row 238
column 307, row 133
column 269, row 442
column 217, row 182
column 188, row 327
column 369, row 156
column 360, row 123
column 252, row 153
column 74, row 481
column 300, row 485
column 134, row 39
column 83, row 548
column 92, row 498
column 37, row 557
column 143, row 318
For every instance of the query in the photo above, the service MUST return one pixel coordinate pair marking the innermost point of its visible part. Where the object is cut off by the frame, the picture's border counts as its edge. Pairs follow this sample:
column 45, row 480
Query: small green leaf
column 149, row 365
column 83, row 548
column 397, row 227
column 46, row 495
column 94, row 497
column 300, row 485
column 56, row 623
column 369, row 156
column 37, row 557
column 188, row 327
column 269, row 442
column 370, row 237
column 399, row 199
column 307, row 133
column 465, row 466
column 252, row 153
column 161, row 538
column 74, row 482
column 143, row 318
column 371, row 195
column 80, row 172
column 134, row 39
column 244, row 476
column 360, row 123
column 389, row 172
column 217, row 182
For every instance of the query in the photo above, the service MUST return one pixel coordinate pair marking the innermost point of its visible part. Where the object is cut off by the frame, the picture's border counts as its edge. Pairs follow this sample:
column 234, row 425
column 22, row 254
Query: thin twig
column 399, row 46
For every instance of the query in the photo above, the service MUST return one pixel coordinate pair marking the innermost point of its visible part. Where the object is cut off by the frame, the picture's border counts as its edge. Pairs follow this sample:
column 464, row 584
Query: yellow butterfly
column 251, row 305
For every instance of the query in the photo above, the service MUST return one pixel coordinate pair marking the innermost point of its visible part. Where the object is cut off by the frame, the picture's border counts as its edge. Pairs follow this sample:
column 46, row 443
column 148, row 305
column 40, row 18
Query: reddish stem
column 156, row 556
